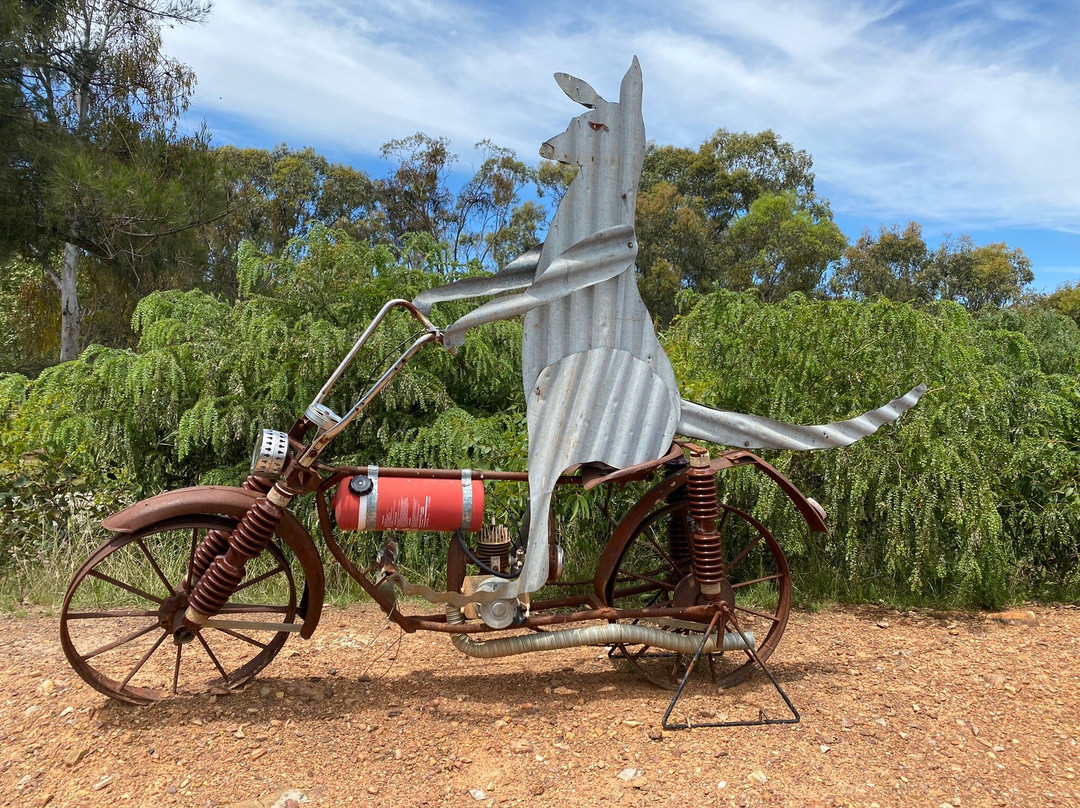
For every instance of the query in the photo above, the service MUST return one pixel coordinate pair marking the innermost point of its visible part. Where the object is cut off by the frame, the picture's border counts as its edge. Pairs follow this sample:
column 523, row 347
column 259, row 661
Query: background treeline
column 162, row 300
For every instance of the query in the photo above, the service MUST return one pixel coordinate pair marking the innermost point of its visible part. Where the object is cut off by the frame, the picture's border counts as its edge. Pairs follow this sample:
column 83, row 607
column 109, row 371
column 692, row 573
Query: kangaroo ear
column 630, row 89
column 578, row 90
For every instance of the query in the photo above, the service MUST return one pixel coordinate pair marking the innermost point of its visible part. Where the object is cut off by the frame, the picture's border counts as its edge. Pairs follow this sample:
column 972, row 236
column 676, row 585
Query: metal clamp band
column 466, row 499
column 373, row 499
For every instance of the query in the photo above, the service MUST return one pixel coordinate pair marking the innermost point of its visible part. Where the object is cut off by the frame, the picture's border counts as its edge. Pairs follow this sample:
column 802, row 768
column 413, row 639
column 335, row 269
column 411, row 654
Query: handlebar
column 328, row 423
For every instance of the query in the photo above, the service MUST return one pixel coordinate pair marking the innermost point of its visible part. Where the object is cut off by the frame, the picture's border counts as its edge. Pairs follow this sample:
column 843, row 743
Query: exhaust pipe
column 607, row 634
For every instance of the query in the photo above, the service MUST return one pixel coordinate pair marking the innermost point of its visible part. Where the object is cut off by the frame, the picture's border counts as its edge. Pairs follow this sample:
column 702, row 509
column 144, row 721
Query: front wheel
column 125, row 602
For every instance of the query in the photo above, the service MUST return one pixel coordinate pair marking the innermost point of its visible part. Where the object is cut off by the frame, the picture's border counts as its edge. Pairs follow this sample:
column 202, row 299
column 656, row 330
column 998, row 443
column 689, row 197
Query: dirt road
column 897, row 709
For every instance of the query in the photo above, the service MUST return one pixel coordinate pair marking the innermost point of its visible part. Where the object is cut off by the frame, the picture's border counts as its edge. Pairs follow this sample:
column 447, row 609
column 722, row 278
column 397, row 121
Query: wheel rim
column 119, row 611
column 758, row 581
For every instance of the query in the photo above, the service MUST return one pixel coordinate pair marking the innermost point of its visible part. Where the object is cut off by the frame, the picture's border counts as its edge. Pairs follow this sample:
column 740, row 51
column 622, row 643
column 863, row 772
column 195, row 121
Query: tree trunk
column 70, row 315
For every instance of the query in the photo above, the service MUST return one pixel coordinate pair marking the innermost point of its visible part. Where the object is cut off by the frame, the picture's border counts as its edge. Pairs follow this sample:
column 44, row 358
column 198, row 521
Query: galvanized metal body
column 598, row 385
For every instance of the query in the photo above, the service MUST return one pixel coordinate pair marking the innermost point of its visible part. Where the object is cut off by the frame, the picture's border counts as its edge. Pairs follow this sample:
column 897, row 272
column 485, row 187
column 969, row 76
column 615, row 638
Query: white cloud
column 960, row 116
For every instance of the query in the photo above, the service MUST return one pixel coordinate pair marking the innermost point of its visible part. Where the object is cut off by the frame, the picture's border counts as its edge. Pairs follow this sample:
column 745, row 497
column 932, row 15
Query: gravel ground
column 897, row 709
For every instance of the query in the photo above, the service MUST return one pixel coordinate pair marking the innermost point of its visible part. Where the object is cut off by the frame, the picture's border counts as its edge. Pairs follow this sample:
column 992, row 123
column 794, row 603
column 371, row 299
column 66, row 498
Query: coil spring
column 216, row 542
column 706, row 545
column 227, row 571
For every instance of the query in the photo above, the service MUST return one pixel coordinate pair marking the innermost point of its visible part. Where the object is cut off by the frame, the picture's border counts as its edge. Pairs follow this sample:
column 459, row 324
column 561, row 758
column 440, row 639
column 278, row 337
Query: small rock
column 372, row 790
column 882, row 624
column 66, row 711
column 537, row 789
column 759, row 776
column 721, row 785
column 258, row 753
column 626, row 775
column 477, row 794
column 332, row 672
column 33, row 711
column 995, row 680
column 239, row 733
column 1015, row 618
column 564, row 691
column 103, row 782
column 265, row 691
column 825, row 748
column 631, row 723
column 656, row 735
column 46, row 799
column 217, row 690
column 521, row 747
column 75, row 755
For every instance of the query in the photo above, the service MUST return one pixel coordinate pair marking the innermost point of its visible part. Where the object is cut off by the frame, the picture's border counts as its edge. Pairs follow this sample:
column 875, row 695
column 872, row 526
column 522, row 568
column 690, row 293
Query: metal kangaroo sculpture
column 599, row 388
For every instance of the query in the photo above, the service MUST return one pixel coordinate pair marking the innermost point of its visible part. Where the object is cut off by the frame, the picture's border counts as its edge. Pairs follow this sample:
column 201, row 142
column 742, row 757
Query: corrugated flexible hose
column 606, row 634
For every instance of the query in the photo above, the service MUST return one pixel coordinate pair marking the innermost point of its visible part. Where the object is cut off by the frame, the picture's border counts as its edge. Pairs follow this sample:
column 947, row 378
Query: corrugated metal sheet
column 598, row 385
column 755, row 432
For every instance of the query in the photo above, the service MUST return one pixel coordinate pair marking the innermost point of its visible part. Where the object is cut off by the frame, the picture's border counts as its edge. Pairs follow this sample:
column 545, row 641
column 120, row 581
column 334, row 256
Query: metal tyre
column 758, row 585
column 119, row 613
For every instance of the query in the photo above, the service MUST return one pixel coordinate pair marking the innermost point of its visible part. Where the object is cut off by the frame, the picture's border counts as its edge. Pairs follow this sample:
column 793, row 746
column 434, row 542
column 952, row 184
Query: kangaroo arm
column 518, row 274
column 593, row 260
column 755, row 432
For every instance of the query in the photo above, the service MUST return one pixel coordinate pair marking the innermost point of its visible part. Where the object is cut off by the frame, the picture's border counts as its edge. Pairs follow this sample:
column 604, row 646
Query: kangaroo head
column 611, row 134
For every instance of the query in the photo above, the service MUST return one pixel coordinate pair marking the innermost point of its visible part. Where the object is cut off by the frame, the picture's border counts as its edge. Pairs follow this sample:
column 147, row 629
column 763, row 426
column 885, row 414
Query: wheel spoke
column 191, row 554
column 239, row 636
column 252, row 608
column 742, row 554
column 263, row 577
column 762, row 615
column 652, row 540
column 111, row 613
column 157, row 569
column 655, row 581
column 128, row 587
column 213, row 658
column 117, row 643
column 142, row 661
column 757, row 581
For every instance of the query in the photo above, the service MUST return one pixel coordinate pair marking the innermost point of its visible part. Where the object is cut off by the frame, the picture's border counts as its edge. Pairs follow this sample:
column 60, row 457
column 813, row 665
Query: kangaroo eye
column 596, row 127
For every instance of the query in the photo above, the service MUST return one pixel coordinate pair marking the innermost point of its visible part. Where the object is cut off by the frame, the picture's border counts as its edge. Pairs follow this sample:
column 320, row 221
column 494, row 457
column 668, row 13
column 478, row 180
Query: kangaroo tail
column 755, row 432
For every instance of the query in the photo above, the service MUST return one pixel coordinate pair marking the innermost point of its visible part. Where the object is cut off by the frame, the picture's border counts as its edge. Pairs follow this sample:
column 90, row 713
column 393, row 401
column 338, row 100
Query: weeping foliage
column 972, row 498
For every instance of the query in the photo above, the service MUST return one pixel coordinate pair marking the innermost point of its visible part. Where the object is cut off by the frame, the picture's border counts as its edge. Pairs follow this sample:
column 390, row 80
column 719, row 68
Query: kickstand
column 748, row 647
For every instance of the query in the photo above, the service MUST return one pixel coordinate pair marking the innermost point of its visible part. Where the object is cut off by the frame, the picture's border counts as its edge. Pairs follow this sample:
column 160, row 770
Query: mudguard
column 234, row 502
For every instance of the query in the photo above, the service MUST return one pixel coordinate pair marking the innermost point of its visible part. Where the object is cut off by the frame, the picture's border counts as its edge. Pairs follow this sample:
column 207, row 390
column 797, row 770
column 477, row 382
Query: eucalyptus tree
column 96, row 88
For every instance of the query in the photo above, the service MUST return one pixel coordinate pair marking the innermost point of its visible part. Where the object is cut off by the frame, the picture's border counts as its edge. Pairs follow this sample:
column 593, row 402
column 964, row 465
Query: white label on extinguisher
column 406, row 513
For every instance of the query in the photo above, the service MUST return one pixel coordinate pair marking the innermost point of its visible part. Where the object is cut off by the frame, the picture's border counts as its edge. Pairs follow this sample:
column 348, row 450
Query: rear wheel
column 124, row 603
column 653, row 571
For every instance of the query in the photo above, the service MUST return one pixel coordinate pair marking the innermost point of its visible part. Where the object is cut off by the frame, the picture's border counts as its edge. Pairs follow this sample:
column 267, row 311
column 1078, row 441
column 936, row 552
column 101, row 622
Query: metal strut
column 726, row 618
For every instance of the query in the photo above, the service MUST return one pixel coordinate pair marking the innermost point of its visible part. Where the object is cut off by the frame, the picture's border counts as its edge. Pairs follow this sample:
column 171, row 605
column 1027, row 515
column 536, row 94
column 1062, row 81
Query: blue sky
column 963, row 116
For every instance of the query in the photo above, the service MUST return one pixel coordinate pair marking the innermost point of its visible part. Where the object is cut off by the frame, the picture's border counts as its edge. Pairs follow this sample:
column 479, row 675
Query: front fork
column 218, row 564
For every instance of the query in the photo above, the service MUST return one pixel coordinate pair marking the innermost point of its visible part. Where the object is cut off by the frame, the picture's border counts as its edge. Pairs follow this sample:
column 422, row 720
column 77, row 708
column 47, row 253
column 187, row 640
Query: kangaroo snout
column 547, row 151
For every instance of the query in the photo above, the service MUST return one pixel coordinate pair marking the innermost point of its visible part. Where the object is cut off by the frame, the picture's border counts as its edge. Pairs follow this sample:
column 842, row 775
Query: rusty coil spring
column 706, row 545
column 216, row 542
column 226, row 572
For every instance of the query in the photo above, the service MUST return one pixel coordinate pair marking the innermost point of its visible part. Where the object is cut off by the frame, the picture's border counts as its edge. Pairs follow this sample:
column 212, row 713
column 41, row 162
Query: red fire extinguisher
column 370, row 502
